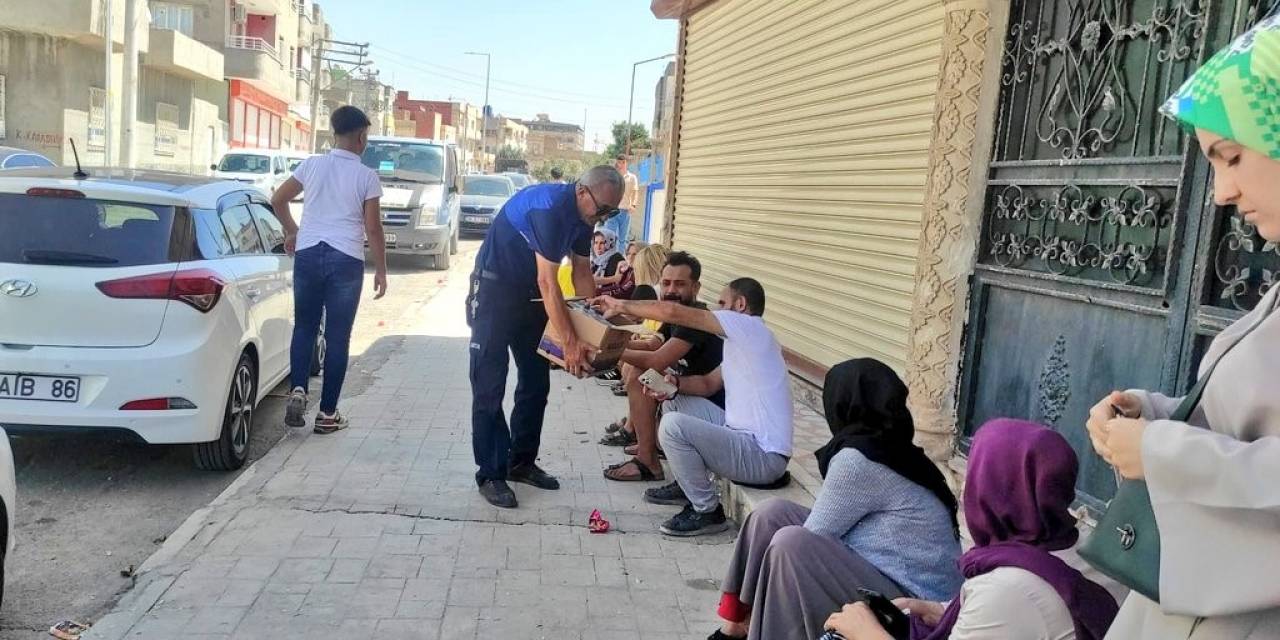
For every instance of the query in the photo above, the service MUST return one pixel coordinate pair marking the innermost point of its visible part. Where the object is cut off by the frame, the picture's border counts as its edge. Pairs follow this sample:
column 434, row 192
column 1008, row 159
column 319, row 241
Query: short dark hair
column 683, row 259
column 348, row 119
column 556, row 173
column 753, row 291
column 621, row 158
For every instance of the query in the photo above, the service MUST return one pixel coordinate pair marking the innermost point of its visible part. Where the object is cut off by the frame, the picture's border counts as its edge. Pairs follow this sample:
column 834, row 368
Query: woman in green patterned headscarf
column 1215, row 480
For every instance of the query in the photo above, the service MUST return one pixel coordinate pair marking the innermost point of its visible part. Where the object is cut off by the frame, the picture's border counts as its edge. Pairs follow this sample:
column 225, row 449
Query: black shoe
column 533, row 475
column 499, row 494
column 720, row 635
column 689, row 523
column 667, row 494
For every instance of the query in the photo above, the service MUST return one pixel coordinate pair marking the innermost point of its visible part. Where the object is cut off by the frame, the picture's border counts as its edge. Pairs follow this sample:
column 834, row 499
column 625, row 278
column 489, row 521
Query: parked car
column 292, row 159
column 15, row 158
column 482, row 197
column 420, row 200
column 265, row 169
column 8, row 503
column 520, row 180
column 151, row 304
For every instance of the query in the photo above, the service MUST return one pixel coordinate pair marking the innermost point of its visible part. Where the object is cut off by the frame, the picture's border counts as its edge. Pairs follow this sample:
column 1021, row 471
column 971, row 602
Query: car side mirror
column 457, row 185
column 213, row 167
column 279, row 171
column 279, row 250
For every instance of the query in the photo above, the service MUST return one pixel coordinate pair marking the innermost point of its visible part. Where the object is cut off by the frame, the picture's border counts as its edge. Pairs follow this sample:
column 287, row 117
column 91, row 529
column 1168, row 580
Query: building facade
column 981, row 193
column 501, row 131
column 549, row 140
column 52, row 87
column 458, row 122
column 664, row 103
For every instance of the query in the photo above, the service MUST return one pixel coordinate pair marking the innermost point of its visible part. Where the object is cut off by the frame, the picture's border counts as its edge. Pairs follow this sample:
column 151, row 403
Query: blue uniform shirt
column 541, row 219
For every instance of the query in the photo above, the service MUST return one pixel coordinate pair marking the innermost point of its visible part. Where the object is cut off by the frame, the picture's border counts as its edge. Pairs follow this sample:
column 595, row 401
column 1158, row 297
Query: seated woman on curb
column 885, row 520
column 1020, row 482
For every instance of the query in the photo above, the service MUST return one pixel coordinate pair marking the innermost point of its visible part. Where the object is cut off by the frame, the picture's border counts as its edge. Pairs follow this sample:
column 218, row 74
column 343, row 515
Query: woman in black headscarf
column 884, row 520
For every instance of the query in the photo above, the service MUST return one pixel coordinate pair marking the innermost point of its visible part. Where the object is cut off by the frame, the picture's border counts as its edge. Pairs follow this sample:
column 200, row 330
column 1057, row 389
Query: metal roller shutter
column 804, row 136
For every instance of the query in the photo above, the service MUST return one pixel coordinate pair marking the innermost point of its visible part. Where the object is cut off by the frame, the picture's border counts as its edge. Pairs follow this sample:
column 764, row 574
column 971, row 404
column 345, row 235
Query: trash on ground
column 596, row 523
column 68, row 630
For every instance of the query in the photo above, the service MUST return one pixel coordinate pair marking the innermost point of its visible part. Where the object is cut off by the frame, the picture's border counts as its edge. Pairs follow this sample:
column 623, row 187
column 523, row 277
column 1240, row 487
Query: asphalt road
column 91, row 508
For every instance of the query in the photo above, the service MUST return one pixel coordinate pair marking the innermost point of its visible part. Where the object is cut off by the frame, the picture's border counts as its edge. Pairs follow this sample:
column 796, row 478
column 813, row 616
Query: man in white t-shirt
column 752, row 442
column 342, row 208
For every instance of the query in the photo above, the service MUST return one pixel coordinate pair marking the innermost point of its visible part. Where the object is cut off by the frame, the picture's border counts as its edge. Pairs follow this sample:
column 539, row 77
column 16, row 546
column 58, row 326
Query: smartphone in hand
column 657, row 383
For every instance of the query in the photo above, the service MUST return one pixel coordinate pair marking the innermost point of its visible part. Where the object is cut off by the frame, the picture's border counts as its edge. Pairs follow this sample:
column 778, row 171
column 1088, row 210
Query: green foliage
column 508, row 152
column 639, row 139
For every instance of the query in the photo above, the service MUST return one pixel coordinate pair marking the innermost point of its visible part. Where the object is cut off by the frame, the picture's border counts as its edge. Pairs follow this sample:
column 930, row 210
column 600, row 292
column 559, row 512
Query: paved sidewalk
column 378, row 531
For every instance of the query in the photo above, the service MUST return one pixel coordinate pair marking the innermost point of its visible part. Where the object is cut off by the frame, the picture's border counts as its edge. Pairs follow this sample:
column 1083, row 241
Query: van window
column 241, row 229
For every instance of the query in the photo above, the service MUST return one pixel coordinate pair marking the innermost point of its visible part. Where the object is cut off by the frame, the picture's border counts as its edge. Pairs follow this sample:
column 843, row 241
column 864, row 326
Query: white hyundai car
column 153, row 304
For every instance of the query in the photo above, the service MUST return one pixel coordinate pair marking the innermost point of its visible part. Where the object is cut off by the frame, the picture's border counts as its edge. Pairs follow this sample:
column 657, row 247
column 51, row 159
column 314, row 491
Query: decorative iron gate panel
column 1102, row 262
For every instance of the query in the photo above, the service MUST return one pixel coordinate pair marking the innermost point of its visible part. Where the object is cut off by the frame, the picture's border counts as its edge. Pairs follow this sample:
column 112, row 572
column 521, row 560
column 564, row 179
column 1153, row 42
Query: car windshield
column 486, row 186
column 519, row 180
column 82, row 232
column 245, row 163
column 406, row 161
column 294, row 162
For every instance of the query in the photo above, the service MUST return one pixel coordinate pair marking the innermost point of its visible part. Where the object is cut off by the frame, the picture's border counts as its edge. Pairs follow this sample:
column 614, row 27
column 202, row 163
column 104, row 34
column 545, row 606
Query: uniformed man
column 519, row 262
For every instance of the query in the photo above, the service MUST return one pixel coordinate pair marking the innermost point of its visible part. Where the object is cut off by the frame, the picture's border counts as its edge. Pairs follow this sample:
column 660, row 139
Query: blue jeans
column 326, row 284
column 620, row 225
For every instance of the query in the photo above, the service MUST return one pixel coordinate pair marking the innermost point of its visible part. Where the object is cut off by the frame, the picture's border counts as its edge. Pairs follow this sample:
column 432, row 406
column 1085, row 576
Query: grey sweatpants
column 793, row 579
column 698, row 444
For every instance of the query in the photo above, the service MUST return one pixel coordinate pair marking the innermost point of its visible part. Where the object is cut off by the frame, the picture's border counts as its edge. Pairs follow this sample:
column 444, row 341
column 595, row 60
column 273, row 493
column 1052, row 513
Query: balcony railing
column 253, row 44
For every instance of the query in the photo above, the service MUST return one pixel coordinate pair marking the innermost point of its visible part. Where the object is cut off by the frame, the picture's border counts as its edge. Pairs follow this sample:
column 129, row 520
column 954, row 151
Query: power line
column 495, row 81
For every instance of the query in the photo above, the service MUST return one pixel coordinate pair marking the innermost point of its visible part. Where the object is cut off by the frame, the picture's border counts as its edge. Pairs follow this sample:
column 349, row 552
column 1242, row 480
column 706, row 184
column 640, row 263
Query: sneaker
column 330, row 423
column 295, row 408
column 533, row 475
column 689, row 523
column 499, row 494
column 668, row 494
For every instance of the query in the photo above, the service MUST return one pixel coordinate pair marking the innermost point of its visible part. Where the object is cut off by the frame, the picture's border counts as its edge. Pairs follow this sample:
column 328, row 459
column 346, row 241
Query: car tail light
column 200, row 288
column 46, row 192
column 158, row 404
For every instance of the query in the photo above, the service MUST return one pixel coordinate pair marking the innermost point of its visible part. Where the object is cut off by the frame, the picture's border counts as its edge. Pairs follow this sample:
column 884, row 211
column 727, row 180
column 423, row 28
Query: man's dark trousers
column 503, row 319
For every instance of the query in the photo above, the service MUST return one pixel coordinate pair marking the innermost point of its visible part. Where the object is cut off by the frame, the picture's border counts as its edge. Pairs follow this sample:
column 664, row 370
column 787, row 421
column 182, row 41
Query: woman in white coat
column 1215, row 480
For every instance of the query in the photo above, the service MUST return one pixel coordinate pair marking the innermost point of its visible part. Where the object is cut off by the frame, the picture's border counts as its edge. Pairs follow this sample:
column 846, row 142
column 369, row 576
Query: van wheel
column 453, row 242
column 441, row 260
column 231, row 450
column 318, row 351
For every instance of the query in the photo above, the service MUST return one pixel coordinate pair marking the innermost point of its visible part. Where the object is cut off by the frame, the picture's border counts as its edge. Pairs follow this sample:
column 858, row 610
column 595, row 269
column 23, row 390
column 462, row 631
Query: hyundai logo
column 18, row 288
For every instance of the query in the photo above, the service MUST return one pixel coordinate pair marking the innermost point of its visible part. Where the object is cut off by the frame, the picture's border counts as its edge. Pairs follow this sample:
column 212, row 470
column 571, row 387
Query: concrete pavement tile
column 566, row 570
column 472, row 592
column 212, row 567
column 278, row 603
column 610, row 572
column 312, row 547
column 356, row 548
column 302, row 570
column 241, row 593
column 254, row 568
column 189, row 591
column 394, row 567
column 217, row 619
column 418, row 629
column 433, row 609
column 436, row 567
column 460, row 623
column 350, row 570
column 420, row 589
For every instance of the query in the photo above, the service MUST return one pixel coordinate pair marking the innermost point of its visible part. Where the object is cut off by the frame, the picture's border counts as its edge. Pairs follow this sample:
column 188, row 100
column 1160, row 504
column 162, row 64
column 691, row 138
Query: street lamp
column 632, row 98
column 484, row 111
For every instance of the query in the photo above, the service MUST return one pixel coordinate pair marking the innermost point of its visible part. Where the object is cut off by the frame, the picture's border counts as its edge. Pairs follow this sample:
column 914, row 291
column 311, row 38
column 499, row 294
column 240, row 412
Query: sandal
column 615, row 427
column 619, row 439
column 633, row 449
column 645, row 474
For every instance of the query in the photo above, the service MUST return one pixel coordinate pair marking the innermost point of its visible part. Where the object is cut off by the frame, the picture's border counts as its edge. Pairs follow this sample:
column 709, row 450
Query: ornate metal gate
column 1103, row 263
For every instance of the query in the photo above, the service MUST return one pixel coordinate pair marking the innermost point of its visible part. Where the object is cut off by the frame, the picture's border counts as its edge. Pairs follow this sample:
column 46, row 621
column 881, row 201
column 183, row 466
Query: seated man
column 754, row 443
column 699, row 349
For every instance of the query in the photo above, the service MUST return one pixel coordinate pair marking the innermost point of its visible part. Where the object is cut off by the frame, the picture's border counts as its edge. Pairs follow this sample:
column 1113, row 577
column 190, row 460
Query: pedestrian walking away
column 343, row 207
column 518, row 263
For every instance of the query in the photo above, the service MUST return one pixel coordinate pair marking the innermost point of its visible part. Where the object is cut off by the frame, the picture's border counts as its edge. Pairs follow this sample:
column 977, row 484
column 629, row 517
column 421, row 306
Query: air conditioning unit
column 239, row 14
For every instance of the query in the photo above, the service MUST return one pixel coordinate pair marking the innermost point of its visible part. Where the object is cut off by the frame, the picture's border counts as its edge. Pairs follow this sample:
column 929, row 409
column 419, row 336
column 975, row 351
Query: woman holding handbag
column 1213, row 478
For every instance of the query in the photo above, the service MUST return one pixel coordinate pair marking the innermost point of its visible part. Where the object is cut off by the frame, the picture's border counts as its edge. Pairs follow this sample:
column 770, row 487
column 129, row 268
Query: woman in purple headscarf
column 1020, row 481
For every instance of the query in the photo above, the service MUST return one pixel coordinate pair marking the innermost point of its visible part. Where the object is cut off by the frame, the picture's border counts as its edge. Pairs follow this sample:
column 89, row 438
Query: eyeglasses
column 603, row 211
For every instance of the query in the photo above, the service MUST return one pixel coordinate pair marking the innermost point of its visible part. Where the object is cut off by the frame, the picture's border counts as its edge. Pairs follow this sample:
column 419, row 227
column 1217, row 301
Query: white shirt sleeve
column 303, row 172
column 372, row 186
column 735, row 325
column 1011, row 604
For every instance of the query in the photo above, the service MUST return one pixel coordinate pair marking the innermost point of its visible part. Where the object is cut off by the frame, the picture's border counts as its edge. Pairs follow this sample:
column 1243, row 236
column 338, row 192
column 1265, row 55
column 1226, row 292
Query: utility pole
column 484, row 111
column 353, row 54
column 129, row 110
column 108, row 38
column 632, row 99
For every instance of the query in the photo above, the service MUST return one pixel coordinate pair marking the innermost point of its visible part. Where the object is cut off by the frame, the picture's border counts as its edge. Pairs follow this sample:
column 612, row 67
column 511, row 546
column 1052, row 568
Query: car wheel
column 441, row 260
column 231, row 450
column 318, row 351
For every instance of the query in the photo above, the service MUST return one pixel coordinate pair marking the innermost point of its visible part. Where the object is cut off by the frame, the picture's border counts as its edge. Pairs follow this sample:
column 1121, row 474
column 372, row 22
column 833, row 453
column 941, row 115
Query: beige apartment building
column 553, row 140
column 501, row 131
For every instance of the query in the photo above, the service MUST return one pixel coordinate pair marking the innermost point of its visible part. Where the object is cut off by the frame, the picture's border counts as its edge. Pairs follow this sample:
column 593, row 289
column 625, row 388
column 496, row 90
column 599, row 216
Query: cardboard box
column 605, row 339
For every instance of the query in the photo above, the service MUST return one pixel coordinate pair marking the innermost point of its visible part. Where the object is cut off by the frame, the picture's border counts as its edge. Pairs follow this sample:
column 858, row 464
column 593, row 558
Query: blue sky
column 549, row 56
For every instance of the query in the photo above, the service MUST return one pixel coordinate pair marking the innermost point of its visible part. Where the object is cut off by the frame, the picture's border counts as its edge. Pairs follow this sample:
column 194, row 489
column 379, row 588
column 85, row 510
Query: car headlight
column 427, row 217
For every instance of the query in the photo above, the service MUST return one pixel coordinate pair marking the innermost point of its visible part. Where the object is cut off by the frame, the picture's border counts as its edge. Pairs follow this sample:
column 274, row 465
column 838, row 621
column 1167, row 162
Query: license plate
column 391, row 238
column 17, row 386
column 478, row 219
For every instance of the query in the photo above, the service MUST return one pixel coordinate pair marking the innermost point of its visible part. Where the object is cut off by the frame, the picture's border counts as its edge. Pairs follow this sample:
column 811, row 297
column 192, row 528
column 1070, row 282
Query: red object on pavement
column 596, row 523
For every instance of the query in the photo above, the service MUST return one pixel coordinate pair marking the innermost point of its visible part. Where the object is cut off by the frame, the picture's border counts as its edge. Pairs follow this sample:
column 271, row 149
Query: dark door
column 1103, row 264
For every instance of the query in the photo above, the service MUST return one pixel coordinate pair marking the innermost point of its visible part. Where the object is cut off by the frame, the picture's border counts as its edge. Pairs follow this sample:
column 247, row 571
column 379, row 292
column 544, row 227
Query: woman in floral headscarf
column 1214, row 481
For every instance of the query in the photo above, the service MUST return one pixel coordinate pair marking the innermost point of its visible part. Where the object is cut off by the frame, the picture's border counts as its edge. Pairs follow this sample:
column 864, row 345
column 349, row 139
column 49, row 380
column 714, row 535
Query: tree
column 508, row 152
column 570, row 169
column 639, row 139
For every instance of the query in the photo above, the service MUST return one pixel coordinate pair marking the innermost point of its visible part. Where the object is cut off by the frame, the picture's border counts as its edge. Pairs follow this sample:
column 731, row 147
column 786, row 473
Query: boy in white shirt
column 342, row 208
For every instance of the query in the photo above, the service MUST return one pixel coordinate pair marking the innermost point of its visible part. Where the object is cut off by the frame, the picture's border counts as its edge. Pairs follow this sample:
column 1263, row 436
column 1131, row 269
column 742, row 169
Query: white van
column 420, row 195
column 265, row 169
